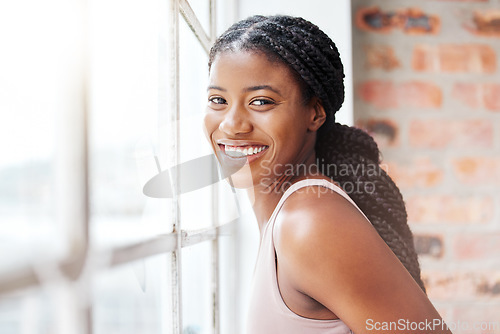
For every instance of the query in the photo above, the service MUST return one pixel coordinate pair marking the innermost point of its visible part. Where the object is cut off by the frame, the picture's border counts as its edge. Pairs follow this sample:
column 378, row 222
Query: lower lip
column 250, row 158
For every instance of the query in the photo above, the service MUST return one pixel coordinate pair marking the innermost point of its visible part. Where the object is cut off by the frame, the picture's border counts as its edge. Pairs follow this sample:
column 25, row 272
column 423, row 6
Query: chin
column 241, row 179
column 235, row 170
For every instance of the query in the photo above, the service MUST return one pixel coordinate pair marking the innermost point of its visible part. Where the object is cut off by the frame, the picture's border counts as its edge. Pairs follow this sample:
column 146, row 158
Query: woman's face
column 256, row 119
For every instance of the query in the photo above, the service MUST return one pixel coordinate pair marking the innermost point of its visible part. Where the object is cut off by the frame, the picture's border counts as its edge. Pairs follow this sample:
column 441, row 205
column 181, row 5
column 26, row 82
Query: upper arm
column 333, row 254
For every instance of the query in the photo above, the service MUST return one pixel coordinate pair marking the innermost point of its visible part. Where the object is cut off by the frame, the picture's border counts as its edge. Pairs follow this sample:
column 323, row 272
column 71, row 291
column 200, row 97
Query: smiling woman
column 253, row 107
column 332, row 258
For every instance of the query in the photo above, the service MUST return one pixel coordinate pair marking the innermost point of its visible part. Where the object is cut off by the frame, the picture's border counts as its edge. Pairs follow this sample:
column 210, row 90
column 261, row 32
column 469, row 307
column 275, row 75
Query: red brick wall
column 427, row 87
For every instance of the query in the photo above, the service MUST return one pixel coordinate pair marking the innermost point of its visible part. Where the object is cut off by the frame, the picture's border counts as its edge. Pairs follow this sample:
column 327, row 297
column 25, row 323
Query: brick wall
column 427, row 87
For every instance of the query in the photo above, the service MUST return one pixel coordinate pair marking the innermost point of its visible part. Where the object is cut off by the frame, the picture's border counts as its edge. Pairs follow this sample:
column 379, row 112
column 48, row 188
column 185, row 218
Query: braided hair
column 346, row 154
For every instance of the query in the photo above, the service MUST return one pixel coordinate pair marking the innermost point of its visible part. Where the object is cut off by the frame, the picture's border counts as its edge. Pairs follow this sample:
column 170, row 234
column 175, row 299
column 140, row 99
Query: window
column 97, row 99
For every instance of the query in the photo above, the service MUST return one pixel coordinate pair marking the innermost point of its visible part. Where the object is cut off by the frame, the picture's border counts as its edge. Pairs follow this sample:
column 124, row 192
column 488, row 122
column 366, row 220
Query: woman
column 326, row 264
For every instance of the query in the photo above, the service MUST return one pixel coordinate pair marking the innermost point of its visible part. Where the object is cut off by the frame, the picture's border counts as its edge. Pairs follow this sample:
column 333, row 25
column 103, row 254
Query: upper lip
column 229, row 142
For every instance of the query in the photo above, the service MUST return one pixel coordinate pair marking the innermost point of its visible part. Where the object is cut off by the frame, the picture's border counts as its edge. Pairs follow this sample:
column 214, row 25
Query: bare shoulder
column 320, row 216
column 331, row 253
column 317, row 227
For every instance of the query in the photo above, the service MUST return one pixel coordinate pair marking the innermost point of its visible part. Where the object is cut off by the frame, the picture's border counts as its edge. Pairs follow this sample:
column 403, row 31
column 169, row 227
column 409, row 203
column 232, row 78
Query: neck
column 266, row 197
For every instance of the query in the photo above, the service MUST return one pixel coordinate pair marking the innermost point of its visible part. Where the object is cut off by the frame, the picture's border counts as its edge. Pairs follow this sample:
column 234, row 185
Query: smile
column 242, row 151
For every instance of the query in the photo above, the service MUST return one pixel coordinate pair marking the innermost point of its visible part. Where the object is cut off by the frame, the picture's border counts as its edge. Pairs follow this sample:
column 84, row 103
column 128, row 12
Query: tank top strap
column 312, row 182
column 268, row 313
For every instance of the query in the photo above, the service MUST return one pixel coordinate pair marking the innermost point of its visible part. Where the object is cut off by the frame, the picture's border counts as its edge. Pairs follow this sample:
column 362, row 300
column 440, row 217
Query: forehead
column 249, row 68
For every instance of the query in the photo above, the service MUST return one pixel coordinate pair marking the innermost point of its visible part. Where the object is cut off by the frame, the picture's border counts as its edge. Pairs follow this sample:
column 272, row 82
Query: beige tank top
column 268, row 313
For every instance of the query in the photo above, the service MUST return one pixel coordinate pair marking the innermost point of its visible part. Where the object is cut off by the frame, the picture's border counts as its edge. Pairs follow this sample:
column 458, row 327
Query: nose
column 236, row 122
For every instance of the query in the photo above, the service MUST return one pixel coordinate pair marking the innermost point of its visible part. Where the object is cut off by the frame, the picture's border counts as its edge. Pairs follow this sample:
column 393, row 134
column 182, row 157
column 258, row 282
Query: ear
column 318, row 114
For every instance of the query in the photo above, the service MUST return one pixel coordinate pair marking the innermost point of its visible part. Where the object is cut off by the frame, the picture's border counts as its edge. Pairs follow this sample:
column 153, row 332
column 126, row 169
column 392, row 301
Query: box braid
column 346, row 154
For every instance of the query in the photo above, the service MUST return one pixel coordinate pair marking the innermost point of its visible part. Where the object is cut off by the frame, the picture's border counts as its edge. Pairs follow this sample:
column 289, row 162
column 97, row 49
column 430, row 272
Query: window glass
column 38, row 67
column 24, row 313
column 133, row 298
column 194, row 150
column 197, row 298
column 124, row 122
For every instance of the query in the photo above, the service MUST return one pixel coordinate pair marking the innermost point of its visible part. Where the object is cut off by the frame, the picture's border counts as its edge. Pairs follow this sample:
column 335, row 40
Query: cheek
column 211, row 124
column 287, row 129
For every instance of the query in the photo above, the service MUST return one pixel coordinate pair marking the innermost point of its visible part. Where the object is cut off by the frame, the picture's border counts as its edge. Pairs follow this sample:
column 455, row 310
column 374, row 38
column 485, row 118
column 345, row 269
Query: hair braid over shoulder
column 348, row 155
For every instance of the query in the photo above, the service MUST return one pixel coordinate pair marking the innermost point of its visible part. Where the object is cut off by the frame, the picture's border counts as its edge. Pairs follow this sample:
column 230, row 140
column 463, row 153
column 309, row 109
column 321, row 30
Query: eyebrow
column 216, row 88
column 259, row 87
column 249, row 89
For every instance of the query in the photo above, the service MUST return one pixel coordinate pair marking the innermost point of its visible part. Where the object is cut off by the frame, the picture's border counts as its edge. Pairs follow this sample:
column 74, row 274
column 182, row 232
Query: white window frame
column 72, row 182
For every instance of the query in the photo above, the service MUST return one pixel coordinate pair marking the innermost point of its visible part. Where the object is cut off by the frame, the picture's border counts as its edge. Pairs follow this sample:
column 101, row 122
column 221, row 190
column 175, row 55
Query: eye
column 261, row 102
column 217, row 100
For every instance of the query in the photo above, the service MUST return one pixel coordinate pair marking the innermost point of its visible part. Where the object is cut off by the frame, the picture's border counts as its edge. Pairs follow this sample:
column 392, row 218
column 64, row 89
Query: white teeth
column 246, row 151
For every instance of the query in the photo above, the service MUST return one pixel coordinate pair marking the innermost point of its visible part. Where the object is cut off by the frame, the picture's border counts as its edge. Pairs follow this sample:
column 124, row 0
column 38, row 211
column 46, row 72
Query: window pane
column 56, row 308
column 39, row 63
column 134, row 298
column 196, row 205
column 197, row 302
column 23, row 313
column 124, row 122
